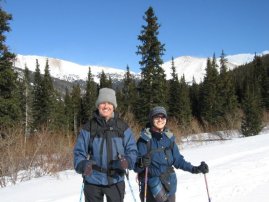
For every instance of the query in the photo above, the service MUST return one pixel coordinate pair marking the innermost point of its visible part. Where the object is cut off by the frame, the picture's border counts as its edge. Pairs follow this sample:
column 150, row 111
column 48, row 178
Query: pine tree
column 48, row 97
column 174, row 88
column 10, row 111
column 37, row 110
column 27, row 100
column 228, row 99
column 89, row 98
column 68, row 110
column 261, row 75
column 223, row 63
column 252, row 120
column 59, row 117
column 109, row 84
column 128, row 92
column 104, row 81
column 184, row 104
column 76, row 106
column 210, row 106
column 152, row 87
column 194, row 98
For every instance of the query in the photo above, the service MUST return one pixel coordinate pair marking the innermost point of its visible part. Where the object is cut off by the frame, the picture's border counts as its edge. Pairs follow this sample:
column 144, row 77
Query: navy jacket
column 160, row 161
column 125, row 146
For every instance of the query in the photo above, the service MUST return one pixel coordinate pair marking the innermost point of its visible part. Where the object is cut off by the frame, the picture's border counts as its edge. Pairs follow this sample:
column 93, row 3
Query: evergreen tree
column 184, row 104
column 26, row 98
column 210, row 106
column 109, row 84
column 258, row 70
column 76, row 106
column 48, row 97
column 89, row 98
column 68, row 110
column 37, row 110
column 252, row 120
column 228, row 99
column 261, row 75
column 10, row 112
column 194, row 98
column 223, row 63
column 174, row 88
column 152, row 87
column 59, row 115
column 128, row 91
column 104, row 81
column 265, row 83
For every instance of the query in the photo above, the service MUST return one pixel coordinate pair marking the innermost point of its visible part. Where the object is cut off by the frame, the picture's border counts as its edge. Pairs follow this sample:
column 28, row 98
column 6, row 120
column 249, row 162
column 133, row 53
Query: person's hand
column 202, row 168
column 87, row 169
column 145, row 161
column 123, row 163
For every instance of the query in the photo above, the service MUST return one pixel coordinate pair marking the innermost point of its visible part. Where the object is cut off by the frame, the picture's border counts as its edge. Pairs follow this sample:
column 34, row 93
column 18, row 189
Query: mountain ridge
column 190, row 67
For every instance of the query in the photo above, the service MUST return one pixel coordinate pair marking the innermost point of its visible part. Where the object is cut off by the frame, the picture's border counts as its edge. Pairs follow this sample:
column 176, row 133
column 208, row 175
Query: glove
column 144, row 161
column 120, row 163
column 202, row 168
column 123, row 163
column 87, row 169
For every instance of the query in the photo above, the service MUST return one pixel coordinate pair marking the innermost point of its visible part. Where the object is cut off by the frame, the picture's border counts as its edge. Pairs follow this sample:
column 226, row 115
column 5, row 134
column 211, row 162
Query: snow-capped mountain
column 65, row 70
column 191, row 67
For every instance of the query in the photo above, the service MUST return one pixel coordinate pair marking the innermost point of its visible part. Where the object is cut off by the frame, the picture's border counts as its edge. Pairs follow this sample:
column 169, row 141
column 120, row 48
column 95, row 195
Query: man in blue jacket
column 158, row 152
column 104, row 150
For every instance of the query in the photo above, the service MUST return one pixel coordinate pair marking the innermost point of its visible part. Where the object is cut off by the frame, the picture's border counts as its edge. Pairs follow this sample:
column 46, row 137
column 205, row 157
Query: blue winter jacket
column 125, row 147
column 161, row 161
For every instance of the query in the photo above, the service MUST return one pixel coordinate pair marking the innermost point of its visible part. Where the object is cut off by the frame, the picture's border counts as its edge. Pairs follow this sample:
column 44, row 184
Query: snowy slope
column 65, row 70
column 193, row 67
column 239, row 172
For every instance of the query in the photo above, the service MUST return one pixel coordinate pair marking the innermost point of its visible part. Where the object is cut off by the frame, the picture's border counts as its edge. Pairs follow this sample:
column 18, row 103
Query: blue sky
column 104, row 32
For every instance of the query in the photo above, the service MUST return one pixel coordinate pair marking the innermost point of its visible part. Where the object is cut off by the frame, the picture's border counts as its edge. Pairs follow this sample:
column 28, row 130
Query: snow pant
column 96, row 193
column 150, row 197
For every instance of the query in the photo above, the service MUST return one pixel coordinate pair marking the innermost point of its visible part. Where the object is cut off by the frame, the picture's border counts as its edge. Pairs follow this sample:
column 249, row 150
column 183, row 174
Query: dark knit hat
column 157, row 110
column 106, row 95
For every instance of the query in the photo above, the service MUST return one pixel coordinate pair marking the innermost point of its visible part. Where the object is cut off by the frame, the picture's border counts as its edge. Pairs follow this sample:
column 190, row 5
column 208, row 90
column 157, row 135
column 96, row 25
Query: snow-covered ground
column 239, row 172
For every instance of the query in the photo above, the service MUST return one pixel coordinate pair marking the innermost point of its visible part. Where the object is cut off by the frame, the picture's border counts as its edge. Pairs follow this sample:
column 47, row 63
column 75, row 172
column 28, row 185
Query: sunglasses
column 159, row 116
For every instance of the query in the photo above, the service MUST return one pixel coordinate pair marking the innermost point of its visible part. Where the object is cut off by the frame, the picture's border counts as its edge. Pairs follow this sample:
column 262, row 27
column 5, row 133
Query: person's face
column 159, row 121
column 106, row 110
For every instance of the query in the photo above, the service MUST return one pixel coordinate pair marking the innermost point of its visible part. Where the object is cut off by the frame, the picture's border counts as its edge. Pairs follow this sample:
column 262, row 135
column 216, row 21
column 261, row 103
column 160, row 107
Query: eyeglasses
column 162, row 117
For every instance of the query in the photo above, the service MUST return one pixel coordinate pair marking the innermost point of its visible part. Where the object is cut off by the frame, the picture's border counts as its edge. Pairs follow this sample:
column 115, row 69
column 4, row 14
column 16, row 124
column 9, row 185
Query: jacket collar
column 101, row 121
column 147, row 134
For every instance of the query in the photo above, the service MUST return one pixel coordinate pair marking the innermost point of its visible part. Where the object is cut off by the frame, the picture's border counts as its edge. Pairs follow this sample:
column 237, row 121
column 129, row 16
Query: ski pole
column 81, row 192
column 209, row 200
column 146, row 184
column 132, row 191
column 126, row 172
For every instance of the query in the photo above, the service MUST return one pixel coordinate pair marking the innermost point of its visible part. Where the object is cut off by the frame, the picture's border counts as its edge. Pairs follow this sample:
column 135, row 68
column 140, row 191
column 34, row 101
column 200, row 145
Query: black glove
column 202, row 168
column 123, row 163
column 144, row 161
column 120, row 163
column 87, row 169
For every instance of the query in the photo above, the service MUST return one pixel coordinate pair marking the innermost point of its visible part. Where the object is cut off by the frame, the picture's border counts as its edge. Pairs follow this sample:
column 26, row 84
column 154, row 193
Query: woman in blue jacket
column 158, row 152
column 105, row 148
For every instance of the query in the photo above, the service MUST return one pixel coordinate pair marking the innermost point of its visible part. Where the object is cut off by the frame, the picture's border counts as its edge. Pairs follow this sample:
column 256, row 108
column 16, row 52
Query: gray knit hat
column 106, row 95
column 157, row 110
